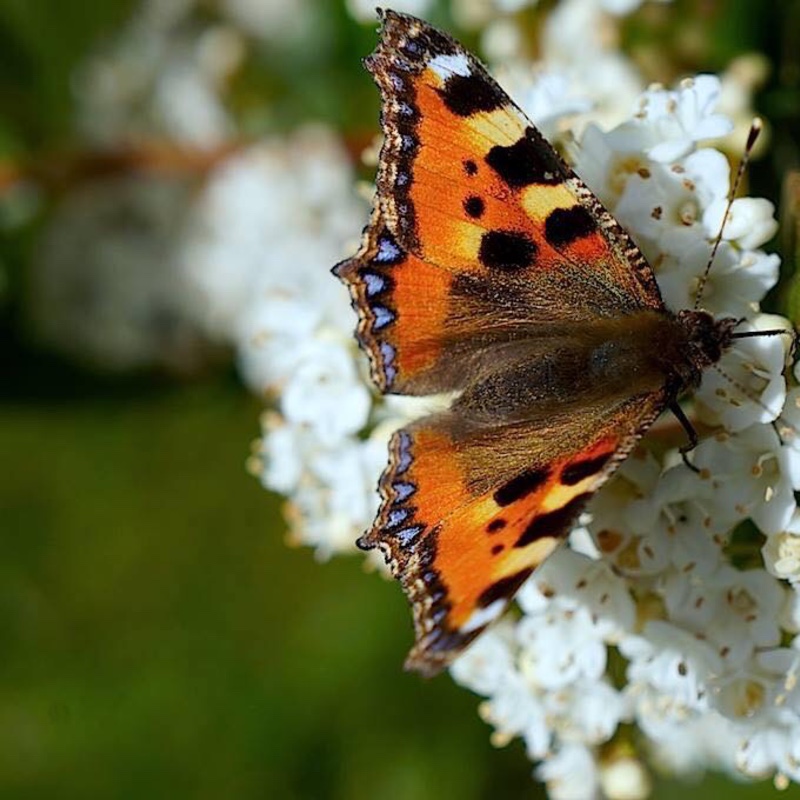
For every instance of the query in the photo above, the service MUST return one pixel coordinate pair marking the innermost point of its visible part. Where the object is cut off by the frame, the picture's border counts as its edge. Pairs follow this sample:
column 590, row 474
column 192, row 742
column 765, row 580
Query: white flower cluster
column 265, row 232
column 120, row 304
column 661, row 613
column 167, row 72
column 477, row 13
column 572, row 79
column 163, row 74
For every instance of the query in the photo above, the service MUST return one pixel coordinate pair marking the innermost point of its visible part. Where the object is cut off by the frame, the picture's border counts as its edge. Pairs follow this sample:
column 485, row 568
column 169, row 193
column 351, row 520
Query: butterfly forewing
column 468, row 183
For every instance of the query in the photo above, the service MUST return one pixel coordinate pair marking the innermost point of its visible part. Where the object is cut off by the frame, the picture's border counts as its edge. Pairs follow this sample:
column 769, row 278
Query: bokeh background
column 159, row 638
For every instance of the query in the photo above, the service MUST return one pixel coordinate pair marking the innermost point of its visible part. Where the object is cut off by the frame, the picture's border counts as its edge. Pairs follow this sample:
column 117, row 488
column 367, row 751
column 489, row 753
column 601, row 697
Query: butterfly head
column 705, row 340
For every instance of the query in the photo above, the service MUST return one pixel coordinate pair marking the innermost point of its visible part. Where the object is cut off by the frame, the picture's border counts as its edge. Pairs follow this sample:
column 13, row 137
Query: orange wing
column 460, row 549
column 402, row 305
column 466, row 182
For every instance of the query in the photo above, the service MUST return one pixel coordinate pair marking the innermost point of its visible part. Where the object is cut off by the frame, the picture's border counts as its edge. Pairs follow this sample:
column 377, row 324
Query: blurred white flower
column 265, row 232
column 324, row 392
column 164, row 74
column 257, row 251
column 570, row 774
column 273, row 20
column 625, row 778
column 122, row 303
column 546, row 97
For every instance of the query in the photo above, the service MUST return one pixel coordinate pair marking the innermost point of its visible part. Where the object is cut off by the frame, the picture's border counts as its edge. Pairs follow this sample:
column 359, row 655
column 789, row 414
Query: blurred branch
column 60, row 171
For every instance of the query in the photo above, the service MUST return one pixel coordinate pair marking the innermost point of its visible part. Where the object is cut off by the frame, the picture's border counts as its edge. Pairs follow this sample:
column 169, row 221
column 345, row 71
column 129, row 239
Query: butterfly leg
column 676, row 409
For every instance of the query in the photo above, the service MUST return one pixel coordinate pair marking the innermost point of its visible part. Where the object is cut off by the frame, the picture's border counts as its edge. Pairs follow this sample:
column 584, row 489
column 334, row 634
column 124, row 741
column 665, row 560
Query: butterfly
column 490, row 271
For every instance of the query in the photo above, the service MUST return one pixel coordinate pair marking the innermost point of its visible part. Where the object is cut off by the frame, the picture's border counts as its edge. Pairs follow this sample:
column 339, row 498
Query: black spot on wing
column 470, row 167
column 496, row 525
column 474, row 206
column 507, row 251
column 504, row 588
column 466, row 95
column 530, row 160
column 555, row 523
column 580, row 470
column 524, row 484
column 564, row 225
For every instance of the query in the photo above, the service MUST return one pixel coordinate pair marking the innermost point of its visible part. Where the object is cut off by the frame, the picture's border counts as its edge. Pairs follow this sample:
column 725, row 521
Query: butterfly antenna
column 740, row 387
column 755, row 129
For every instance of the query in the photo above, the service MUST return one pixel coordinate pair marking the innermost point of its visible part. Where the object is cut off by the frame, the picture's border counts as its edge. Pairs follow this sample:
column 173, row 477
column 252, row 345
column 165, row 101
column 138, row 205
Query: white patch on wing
column 446, row 65
column 483, row 616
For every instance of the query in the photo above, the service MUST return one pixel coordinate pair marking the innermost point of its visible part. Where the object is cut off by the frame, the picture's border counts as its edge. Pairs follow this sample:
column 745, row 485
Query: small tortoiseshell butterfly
column 488, row 269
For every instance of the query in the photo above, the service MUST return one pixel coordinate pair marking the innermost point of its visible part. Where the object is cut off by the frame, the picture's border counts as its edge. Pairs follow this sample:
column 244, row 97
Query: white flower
column 789, row 430
column 737, row 611
column 561, row 647
column 674, row 662
column 677, row 120
column 285, row 449
column 477, row 13
column 625, row 778
column 262, row 239
column 546, row 97
column 514, row 710
column 569, row 584
column 781, row 551
column 747, row 385
column 735, row 284
column 675, row 525
column 596, row 69
column 325, row 393
column 749, row 472
column 586, row 711
column 570, row 774
column 764, row 750
column 664, row 204
column 276, row 21
column 750, row 223
column 121, row 303
column 489, row 662
column 164, row 74
column 686, row 744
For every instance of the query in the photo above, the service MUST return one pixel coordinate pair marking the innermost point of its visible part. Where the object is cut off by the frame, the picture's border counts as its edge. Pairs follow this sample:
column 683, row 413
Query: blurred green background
column 158, row 637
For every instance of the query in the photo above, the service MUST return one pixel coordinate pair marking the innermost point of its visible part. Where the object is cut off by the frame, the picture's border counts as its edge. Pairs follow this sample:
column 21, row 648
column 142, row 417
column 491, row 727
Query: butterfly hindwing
column 467, row 516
